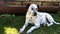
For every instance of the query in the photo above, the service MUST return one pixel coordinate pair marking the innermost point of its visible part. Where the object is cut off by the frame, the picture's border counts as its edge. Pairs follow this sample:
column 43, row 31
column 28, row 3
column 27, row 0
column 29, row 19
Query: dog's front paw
column 21, row 30
column 28, row 32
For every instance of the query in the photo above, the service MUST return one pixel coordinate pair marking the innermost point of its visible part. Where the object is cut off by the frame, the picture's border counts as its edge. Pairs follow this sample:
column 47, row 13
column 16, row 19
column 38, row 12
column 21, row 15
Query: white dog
column 36, row 18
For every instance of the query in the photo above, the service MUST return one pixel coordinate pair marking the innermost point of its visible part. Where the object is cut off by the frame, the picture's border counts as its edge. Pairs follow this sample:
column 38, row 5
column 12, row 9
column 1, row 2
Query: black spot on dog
column 47, row 20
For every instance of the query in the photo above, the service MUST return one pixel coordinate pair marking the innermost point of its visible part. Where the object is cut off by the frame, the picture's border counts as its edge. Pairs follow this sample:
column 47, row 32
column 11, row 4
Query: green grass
column 18, row 22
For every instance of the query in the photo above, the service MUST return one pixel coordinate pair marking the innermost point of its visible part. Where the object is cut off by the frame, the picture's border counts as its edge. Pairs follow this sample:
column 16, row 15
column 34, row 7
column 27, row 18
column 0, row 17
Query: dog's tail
column 53, row 21
column 56, row 23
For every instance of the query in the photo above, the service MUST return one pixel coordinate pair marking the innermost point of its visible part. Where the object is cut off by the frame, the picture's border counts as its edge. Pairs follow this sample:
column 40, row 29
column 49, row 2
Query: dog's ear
column 27, row 6
column 38, row 6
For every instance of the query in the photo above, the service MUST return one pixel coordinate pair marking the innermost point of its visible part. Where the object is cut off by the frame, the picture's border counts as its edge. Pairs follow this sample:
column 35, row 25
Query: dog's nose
column 34, row 13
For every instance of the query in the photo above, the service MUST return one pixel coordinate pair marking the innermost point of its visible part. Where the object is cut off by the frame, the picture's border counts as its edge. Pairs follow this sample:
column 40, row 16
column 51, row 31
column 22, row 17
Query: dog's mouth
column 34, row 13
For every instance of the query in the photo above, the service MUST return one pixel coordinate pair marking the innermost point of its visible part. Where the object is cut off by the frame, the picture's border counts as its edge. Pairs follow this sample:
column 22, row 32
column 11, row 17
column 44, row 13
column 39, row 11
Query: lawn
column 17, row 21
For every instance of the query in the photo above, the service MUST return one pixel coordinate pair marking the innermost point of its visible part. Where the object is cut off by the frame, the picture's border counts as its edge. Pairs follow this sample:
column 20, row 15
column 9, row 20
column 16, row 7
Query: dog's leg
column 49, row 24
column 50, row 20
column 37, row 25
column 32, row 28
column 23, row 28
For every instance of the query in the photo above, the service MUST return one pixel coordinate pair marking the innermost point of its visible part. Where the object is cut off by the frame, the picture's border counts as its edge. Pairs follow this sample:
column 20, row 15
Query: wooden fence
column 40, row 3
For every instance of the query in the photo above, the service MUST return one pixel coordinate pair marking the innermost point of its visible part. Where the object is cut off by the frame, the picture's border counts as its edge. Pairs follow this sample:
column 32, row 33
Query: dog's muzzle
column 34, row 13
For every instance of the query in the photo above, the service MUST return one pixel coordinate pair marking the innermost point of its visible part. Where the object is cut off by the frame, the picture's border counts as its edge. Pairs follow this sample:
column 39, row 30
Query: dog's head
column 33, row 7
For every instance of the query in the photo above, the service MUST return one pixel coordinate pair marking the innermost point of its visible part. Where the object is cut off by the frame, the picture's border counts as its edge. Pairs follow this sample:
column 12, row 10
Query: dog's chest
column 30, row 18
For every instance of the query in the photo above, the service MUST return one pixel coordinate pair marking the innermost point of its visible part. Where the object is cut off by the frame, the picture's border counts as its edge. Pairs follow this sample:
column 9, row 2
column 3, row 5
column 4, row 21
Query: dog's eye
column 32, row 8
